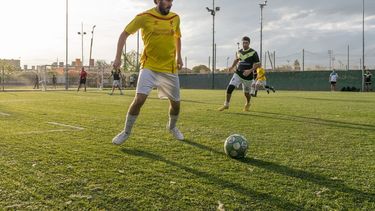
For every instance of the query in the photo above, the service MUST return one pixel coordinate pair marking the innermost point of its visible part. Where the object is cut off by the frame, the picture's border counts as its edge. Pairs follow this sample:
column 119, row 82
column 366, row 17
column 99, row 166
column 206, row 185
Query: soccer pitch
column 308, row 150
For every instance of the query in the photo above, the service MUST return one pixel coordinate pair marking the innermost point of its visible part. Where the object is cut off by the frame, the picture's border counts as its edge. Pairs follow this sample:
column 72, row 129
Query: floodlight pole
column 137, row 63
column 261, row 30
column 82, row 33
column 2, row 78
column 363, row 45
column 92, row 40
column 66, row 49
column 213, row 13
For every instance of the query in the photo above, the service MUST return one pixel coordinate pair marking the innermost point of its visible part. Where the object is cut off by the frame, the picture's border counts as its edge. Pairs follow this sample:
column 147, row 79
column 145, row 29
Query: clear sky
column 34, row 30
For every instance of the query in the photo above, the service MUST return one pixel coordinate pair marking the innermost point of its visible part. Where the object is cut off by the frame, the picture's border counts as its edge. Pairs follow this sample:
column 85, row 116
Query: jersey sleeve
column 134, row 25
column 256, row 58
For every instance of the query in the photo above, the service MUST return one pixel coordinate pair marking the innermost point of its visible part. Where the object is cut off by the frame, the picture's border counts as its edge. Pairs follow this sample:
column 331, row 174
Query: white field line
column 64, row 125
column 44, row 131
column 56, row 130
column 4, row 114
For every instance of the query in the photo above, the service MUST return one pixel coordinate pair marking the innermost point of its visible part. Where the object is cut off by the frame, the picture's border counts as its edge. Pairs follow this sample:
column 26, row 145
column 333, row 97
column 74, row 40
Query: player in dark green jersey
column 247, row 61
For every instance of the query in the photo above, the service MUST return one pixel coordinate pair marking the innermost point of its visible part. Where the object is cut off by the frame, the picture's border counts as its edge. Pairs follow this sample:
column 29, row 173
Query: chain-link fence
column 54, row 79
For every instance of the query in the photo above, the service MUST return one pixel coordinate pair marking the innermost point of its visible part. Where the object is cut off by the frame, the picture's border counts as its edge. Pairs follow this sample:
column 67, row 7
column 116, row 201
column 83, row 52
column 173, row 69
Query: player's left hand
column 180, row 63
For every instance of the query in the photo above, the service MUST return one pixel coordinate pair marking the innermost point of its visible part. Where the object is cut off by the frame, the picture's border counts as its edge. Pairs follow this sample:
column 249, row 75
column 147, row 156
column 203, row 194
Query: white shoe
column 120, row 138
column 176, row 134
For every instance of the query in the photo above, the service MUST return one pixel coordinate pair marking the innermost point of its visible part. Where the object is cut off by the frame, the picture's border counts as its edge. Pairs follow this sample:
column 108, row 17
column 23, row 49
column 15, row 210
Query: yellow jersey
column 261, row 74
column 159, row 35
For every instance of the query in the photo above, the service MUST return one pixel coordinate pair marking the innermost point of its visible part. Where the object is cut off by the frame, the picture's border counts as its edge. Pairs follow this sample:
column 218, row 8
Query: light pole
column 261, row 29
column 66, row 49
column 92, row 40
column 137, row 68
column 363, row 45
column 213, row 13
column 82, row 33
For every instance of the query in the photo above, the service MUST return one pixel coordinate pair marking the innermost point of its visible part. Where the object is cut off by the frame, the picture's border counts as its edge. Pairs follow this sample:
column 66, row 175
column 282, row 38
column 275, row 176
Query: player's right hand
column 116, row 64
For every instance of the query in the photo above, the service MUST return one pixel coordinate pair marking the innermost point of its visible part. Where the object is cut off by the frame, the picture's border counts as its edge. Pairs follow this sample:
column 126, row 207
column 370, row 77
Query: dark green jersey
column 247, row 58
column 116, row 75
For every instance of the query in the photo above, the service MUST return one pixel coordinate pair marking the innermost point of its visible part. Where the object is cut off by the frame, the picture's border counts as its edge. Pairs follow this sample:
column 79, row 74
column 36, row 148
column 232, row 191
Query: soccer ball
column 236, row 146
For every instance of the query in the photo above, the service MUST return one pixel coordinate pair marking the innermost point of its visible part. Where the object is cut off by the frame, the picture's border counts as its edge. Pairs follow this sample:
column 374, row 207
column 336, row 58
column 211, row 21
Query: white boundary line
column 39, row 132
column 51, row 131
column 64, row 125
column 4, row 114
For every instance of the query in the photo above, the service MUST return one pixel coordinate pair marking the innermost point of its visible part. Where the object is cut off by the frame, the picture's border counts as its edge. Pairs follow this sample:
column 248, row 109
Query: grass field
column 308, row 150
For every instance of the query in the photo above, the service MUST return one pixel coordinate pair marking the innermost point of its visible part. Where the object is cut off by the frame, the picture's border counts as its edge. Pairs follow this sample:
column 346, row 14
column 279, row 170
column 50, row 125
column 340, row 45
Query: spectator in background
column 82, row 79
column 132, row 81
column 36, row 81
column 368, row 76
column 116, row 73
column 54, row 81
column 333, row 80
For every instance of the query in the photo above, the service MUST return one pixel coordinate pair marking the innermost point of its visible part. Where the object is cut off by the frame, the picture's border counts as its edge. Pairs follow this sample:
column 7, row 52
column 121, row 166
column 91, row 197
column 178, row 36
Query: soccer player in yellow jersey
column 261, row 82
column 160, row 61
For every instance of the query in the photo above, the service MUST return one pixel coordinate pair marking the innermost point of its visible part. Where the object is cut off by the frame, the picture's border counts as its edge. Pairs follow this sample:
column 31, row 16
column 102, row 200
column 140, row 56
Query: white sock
column 172, row 121
column 226, row 103
column 253, row 91
column 130, row 120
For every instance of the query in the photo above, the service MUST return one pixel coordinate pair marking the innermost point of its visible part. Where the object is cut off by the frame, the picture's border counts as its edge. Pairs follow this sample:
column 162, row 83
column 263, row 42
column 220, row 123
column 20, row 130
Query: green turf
column 308, row 150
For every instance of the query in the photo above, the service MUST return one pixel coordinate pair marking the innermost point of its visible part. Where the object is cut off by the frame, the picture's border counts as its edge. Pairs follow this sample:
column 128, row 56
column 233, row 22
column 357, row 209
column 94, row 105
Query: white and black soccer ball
column 236, row 146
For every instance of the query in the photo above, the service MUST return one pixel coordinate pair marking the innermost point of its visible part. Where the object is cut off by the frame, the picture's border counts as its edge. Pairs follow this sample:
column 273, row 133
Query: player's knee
column 175, row 106
column 139, row 101
column 230, row 89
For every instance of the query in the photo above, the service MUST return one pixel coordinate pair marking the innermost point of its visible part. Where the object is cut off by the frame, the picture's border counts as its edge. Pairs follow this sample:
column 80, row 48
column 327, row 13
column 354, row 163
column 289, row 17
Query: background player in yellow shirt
column 261, row 82
column 160, row 61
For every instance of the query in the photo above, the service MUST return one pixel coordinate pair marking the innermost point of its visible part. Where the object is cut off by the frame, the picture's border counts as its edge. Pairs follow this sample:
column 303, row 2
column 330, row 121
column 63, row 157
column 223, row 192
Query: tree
column 102, row 65
column 297, row 65
column 129, row 60
column 8, row 67
column 201, row 69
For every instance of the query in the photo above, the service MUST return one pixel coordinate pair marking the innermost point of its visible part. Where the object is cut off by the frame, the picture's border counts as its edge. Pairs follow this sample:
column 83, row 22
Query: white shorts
column 261, row 84
column 116, row 83
column 168, row 84
column 237, row 80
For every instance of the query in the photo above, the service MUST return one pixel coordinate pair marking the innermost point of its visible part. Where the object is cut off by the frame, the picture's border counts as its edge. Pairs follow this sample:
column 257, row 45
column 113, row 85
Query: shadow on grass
column 312, row 120
column 334, row 185
column 261, row 197
column 185, row 101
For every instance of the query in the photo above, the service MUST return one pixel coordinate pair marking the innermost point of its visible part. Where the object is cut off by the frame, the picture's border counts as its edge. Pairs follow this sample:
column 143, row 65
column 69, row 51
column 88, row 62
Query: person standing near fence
column 82, row 79
column 36, row 81
column 54, row 81
column 333, row 80
column 132, row 81
column 116, row 81
column 368, row 82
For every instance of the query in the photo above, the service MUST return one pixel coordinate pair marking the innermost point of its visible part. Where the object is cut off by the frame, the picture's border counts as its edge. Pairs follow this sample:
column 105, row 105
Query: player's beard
column 164, row 11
